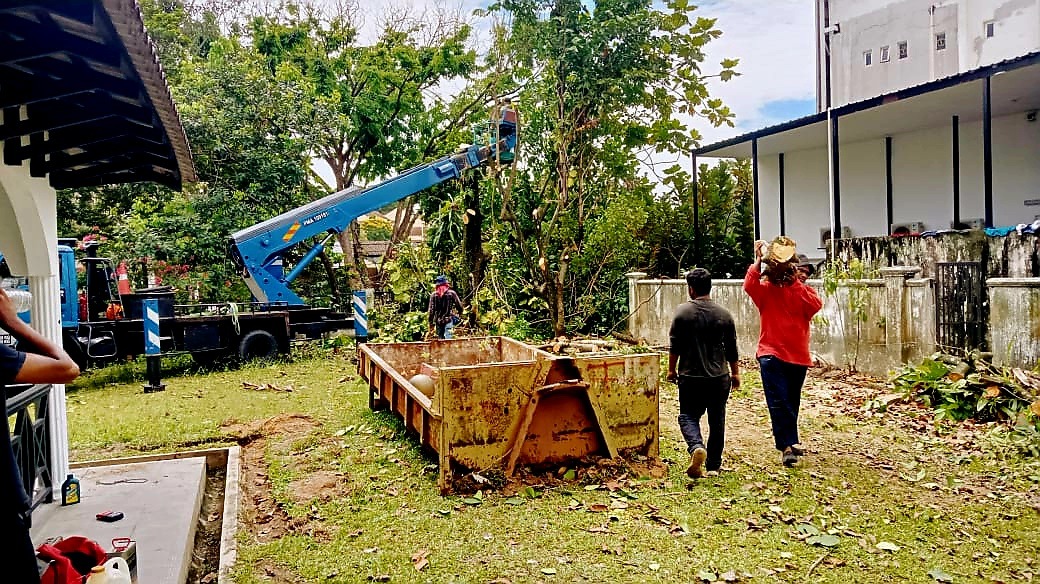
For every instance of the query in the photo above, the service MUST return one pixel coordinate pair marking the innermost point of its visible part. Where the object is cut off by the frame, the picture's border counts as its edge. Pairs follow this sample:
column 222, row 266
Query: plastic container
column 70, row 490
column 22, row 299
column 113, row 571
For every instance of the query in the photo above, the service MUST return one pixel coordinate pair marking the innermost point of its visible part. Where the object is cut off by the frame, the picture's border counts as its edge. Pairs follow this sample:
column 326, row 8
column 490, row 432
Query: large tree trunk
column 473, row 245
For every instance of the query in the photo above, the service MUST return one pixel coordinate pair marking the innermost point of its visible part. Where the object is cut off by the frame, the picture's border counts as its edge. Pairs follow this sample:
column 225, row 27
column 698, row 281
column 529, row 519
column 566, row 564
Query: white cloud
column 774, row 41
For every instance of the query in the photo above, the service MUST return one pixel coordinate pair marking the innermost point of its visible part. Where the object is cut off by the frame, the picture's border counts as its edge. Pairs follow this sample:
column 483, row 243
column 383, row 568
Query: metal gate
column 960, row 306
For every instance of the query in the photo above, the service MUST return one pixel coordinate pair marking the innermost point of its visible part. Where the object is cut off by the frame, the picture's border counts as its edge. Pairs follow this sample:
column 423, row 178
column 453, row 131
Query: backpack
column 70, row 560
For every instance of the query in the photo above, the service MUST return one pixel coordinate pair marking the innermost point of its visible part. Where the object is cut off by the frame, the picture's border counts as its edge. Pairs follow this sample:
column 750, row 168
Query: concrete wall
column 1014, row 255
column 1014, row 303
column 833, row 330
column 872, row 24
column 900, row 326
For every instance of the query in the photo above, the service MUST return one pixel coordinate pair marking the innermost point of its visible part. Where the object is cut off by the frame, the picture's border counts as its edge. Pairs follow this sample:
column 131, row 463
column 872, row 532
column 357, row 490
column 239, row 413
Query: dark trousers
column 698, row 395
column 18, row 557
column 782, row 382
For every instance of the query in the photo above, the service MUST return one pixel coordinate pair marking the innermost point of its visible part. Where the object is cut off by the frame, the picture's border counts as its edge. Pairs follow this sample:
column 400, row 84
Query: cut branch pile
column 971, row 386
column 572, row 346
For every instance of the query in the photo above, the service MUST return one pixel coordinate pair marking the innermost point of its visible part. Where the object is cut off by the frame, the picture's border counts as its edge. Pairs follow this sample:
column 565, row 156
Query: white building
column 873, row 47
column 943, row 137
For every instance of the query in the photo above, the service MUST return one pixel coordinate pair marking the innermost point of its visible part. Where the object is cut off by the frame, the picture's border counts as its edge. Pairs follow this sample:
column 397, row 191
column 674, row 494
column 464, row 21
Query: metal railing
column 31, row 439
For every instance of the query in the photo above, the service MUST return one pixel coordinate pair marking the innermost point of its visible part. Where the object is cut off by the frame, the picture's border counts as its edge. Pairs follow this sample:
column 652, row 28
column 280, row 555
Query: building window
column 991, row 28
column 867, row 58
column 903, row 52
column 884, row 54
column 940, row 41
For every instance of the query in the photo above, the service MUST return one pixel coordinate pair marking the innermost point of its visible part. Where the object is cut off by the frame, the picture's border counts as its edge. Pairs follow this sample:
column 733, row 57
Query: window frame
column 989, row 28
column 940, row 38
column 903, row 47
column 886, row 54
column 868, row 57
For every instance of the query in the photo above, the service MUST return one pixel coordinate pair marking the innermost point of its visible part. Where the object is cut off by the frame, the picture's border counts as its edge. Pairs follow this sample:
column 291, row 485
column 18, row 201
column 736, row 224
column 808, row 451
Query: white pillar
column 46, row 319
column 29, row 240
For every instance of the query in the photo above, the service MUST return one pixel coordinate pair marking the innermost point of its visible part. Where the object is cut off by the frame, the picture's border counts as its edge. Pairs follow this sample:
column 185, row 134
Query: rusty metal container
column 499, row 403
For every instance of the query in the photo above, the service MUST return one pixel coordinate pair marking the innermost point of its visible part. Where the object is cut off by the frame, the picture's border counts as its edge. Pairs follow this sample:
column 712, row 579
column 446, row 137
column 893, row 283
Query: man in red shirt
column 785, row 308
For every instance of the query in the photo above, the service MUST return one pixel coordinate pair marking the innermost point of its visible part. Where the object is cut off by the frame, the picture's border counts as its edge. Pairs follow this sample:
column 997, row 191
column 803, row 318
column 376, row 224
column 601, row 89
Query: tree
column 368, row 110
column 599, row 89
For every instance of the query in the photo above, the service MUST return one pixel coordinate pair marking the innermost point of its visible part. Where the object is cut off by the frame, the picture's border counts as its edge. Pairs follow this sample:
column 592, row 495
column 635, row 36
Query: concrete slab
column 160, row 501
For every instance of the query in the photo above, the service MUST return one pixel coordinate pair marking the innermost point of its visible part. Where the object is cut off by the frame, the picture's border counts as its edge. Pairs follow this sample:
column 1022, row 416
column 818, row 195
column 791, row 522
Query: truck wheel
column 257, row 345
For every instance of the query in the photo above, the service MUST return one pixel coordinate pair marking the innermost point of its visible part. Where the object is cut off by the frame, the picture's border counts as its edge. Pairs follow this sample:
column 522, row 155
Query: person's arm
column 732, row 356
column 458, row 302
column 45, row 362
column 674, row 348
column 753, row 279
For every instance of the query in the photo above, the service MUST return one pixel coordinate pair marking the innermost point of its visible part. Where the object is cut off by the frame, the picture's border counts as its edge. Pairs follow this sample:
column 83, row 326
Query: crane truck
column 101, row 324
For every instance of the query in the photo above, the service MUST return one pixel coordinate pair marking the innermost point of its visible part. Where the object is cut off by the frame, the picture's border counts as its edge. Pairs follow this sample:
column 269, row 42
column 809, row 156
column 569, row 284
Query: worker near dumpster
column 37, row 360
column 702, row 360
column 445, row 308
column 786, row 306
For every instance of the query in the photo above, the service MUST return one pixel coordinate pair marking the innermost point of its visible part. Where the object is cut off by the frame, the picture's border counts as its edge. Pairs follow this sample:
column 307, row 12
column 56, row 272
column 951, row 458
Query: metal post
column 835, row 183
column 889, row 204
column 783, row 212
column 696, row 200
column 152, row 345
column 987, row 151
column 956, row 139
column 360, row 318
column 754, row 185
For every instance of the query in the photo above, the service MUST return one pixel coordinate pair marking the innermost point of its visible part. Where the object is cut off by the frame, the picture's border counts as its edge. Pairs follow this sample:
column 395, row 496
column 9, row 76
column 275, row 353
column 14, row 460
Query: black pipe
column 695, row 200
column 987, row 151
column 836, row 184
column 890, row 207
column 783, row 213
column 956, row 139
column 754, row 185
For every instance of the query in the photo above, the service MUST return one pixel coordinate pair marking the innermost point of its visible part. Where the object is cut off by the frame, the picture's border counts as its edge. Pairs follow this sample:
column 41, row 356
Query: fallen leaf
column 654, row 567
column 514, row 501
column 549, row 571
column 420, row 559
column 209, row 578
column 992, row 391
column 823, row 539
column 599, row 529
column 887, row 546
column 730, row 576
column 591, row 487
column 598, row 508
column 570, row 475
column 939, row 575
column 530, row 492
column 618, row 504
column 472, row 501
column 706, row 576
column 1035, row 408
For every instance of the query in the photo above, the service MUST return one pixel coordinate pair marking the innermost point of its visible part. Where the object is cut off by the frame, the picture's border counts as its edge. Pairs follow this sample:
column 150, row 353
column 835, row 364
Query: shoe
column 697, row 458
column 789, row 458
column 798, row 449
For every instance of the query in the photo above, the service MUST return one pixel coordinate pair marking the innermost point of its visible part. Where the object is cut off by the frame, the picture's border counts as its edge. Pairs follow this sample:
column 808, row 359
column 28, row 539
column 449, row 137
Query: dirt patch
column 587, row 471
column 262, row 516
column 280, row 424
column 205, row 558
column 321, row 485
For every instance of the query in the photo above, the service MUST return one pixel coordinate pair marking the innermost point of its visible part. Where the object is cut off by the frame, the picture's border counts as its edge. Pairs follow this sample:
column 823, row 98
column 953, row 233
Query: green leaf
column 570, row 475
column 514, row 501
column 530, row 492
column 807, row 529
column 472, row 501
column 706, row 576
column 823, row 539
column 549, row 571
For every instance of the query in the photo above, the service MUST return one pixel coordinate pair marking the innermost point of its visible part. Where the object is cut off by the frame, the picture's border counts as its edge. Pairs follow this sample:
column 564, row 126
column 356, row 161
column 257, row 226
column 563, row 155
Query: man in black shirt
column 41, row 362
column 702, row 359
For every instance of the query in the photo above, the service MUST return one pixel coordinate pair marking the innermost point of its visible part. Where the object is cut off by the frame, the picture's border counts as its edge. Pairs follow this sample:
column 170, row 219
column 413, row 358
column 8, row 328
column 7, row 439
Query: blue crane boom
column 258, row 250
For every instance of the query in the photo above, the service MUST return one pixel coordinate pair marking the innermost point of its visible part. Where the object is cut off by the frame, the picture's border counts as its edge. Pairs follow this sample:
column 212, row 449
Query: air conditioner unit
column 825, row 234
column 968, row 224
column 908, row 228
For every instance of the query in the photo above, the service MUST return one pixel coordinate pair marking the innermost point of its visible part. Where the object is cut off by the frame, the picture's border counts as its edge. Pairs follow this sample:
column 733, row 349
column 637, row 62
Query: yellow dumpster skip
column 498, row 403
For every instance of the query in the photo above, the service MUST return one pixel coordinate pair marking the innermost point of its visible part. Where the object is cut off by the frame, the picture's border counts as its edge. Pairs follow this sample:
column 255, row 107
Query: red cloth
column 785, row 312
column 441, row 289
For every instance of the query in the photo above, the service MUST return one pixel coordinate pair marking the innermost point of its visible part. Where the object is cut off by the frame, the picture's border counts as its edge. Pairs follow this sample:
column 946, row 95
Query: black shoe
column 798, row 449
column 696, row 468
column 789, row 458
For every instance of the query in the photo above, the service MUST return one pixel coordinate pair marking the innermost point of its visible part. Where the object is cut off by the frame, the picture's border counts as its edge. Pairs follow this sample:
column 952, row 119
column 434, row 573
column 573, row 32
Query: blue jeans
column 698, row 395
column 444, row 330
column 782, row 382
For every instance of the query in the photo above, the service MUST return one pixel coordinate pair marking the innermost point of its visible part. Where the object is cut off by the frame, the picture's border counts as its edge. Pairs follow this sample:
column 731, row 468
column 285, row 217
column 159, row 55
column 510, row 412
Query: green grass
column 387, row 506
